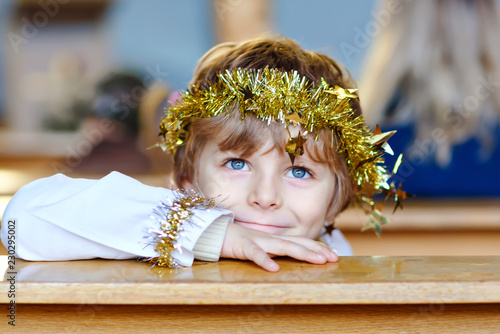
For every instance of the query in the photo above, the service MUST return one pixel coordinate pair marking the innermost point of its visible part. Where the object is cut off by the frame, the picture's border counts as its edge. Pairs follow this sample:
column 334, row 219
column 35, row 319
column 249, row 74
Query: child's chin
column 272, row 229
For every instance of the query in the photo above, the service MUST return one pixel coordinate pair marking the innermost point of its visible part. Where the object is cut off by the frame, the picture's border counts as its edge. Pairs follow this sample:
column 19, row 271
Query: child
column 270, row 131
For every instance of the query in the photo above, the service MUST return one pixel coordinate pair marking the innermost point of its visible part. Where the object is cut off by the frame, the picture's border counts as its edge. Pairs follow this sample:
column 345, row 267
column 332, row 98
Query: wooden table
column 355, row 295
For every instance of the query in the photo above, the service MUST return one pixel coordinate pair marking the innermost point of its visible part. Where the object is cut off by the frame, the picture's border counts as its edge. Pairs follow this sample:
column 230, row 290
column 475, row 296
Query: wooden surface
column 269, row 319
column 353, row 280
column 355, row 295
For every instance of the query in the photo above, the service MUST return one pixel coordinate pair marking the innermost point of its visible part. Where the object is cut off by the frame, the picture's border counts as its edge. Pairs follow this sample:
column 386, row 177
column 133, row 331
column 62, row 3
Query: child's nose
column 265, row 194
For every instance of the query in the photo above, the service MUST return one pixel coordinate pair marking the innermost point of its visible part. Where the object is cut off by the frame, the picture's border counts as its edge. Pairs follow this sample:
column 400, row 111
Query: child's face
column 265, row 192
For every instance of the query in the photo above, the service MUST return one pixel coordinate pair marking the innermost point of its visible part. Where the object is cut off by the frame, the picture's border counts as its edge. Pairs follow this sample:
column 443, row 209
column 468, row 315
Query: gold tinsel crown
column 275, row 95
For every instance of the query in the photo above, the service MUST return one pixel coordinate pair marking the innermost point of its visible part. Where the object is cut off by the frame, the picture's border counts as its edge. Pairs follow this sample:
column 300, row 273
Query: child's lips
column 269, row 228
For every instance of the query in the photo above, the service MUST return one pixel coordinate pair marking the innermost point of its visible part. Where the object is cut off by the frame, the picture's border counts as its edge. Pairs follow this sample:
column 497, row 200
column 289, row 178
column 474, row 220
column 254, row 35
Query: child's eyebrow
column 250, row 150
column 310, row 161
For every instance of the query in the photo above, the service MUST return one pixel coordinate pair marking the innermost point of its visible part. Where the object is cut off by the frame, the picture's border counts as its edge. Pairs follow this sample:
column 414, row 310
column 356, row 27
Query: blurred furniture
column 64, row 11
column 431, row 226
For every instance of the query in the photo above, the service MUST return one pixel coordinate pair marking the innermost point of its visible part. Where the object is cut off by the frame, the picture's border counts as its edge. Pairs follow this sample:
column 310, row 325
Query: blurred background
column 83, row 86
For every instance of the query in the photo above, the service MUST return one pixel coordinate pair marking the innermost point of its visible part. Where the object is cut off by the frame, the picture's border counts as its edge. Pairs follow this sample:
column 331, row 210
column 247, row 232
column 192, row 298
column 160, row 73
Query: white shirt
column 60, row 218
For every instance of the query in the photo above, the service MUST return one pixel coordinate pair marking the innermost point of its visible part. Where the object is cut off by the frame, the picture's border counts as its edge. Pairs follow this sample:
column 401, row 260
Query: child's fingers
column 259, row 247
column 313, row 245
column 295, row 250
column 256, row 254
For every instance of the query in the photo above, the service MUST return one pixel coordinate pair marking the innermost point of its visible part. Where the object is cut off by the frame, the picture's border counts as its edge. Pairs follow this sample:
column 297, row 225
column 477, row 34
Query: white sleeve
column 336, row 240
column 60, row 218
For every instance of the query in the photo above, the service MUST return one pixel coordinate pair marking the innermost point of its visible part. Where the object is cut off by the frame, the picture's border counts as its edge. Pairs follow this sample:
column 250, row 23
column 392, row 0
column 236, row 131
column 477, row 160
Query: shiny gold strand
column 278, row 96
column 171, row 219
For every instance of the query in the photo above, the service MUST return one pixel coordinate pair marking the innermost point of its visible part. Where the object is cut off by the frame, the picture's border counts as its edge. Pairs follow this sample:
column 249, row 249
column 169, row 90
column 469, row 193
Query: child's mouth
column 274, row 229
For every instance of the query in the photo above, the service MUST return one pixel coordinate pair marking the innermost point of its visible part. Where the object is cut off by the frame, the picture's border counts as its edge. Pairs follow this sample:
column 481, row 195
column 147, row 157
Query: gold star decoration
column 379, row 140
column 342, row 93
column 295, row 118
column 295, row 146
column 397, row 194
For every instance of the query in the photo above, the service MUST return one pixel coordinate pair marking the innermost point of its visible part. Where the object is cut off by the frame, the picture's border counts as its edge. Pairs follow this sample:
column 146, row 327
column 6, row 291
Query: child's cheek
column 237, row 186
column 296, row 184
column 238, row 176
column 214, row 182
column 311, row 209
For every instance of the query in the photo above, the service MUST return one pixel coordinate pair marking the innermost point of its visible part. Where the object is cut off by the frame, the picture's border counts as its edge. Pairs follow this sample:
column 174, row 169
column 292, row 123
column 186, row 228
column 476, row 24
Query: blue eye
column 299, row 173
column 237, row 164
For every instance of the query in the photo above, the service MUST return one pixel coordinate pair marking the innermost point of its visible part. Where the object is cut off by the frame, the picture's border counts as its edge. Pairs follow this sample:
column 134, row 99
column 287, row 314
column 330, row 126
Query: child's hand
column 247, row 244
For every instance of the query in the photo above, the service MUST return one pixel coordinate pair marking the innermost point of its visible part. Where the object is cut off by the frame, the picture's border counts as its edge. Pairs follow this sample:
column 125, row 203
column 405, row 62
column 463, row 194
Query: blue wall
column 325, row 26
column 167, row 36
column 174, row 34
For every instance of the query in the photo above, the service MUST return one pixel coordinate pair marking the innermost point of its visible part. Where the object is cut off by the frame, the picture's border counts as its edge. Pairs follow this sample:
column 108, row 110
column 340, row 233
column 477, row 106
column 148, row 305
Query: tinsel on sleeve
column 171, row 219
column 275, row 95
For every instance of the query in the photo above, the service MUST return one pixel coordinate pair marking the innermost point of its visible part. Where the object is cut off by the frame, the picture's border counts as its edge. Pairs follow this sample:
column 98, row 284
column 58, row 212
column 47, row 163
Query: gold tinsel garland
column 171, row 219
column 279, row 96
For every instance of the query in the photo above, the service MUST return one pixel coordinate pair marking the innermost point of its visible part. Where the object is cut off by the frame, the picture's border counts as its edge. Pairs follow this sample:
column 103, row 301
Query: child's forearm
column 60, row 218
